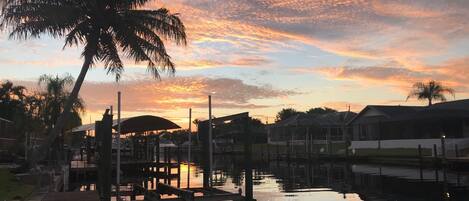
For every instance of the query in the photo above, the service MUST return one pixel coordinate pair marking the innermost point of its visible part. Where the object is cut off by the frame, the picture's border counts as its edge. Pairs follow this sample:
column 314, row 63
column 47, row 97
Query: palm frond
column 110, row 56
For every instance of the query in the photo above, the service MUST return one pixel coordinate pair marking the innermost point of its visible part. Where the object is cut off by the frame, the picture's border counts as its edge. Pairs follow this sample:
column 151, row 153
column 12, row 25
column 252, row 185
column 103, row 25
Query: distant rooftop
column 458, row 108
column 329, row 119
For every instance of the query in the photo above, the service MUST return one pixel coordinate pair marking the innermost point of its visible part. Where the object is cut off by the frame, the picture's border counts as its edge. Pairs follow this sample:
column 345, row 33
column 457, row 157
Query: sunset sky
column 263, row 55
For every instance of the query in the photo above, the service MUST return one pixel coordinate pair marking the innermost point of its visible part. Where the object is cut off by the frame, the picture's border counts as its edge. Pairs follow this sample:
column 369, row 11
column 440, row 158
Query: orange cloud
column 178, row 93
column 402, row 31
column 453, row 73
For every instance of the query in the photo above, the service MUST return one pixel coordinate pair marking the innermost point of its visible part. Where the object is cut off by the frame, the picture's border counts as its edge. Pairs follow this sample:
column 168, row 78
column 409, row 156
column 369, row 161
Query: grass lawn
column 11, row 189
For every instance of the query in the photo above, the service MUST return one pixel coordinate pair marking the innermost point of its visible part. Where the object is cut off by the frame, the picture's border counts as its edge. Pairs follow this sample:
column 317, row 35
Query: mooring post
column 456, row 150
column 288, row 148
column 248, row 160
column 203, row 131
column 420, row 154
column 179, row 167
column 443, row 148
column 118, row 140
column 268, row 152
column 277, row 146
column 157, row 148
column 104, row 143
column 189, row 150
column 420, row 161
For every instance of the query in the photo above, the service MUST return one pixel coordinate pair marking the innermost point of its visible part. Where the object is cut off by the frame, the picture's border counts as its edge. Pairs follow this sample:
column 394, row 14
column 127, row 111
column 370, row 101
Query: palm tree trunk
column 38, row 154
column 429, row 102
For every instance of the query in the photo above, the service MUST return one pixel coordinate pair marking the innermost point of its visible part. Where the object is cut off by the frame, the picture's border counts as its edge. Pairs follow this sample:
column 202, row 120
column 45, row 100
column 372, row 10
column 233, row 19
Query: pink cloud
column 175, row 93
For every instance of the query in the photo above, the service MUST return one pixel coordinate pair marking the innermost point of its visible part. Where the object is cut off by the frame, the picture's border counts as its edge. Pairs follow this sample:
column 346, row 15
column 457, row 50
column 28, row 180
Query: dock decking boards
column 72, row 196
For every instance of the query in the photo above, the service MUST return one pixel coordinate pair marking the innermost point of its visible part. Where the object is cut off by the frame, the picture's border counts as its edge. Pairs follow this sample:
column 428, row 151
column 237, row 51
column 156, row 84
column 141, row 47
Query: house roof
column 383, row 113
column 329, row 119
column 136, row 124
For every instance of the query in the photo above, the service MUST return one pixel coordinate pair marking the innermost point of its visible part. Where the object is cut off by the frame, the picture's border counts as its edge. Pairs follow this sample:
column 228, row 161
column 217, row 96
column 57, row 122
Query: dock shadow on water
column 325, row 181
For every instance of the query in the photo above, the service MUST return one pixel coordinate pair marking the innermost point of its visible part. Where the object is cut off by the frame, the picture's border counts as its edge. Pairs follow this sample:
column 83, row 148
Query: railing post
column 247, row 159
column 456, row 150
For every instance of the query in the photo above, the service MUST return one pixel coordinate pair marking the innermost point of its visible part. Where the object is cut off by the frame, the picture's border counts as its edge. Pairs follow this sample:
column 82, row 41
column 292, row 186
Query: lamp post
column 210, row 146
column 189, row 150
column 443, row 148
column 118, row 163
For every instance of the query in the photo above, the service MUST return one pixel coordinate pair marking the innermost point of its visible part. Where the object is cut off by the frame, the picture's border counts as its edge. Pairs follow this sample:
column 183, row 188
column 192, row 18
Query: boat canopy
column 135, row 124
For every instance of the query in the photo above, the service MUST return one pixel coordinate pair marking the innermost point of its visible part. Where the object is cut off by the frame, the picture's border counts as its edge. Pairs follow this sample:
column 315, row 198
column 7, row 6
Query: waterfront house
column 6, row 140
column 407, row 127
column 6, row 128
column 302, row 129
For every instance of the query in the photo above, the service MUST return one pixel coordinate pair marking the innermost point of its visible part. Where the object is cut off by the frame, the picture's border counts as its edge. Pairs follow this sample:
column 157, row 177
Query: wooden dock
column 191, row 194
column 72, row 196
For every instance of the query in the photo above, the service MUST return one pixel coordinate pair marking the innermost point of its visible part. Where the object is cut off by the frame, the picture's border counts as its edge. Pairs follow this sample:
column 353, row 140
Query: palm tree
column 103, row 27
column 55, row 97
column 430, row 91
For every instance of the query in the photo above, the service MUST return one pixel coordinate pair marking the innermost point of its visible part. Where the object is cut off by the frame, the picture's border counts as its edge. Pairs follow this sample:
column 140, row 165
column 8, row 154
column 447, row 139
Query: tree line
column 36, row 111
column 286, row 113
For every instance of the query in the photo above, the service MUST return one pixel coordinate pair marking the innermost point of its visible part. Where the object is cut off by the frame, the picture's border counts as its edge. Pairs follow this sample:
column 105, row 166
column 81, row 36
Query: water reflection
column 282, row 180
column 325, row 181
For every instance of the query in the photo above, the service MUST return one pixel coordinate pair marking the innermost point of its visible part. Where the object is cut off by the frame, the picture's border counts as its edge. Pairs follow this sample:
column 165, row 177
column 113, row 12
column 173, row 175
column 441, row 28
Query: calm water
column 279, row 180
column 275, row 180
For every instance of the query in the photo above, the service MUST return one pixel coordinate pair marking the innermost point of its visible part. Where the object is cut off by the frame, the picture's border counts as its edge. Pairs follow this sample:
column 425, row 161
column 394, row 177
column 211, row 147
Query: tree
column 430, row 91
column 54, row 98
column 320, row 111
column 11, row 100
column 103, row 27
column 196, row 122
column 285, row 114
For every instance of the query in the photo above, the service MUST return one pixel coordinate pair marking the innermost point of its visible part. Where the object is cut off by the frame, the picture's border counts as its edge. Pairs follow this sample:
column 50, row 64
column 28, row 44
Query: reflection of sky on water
column 329, row 181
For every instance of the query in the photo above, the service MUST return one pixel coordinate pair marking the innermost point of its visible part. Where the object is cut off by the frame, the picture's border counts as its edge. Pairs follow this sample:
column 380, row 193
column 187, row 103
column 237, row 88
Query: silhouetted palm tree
column 55, row 97
column 430, row 91
column 11, row 100
column 103, row 27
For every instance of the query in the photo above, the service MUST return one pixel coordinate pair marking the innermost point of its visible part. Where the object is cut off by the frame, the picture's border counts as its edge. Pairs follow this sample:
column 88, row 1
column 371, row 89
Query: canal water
column 326, row 181
column 338, row 181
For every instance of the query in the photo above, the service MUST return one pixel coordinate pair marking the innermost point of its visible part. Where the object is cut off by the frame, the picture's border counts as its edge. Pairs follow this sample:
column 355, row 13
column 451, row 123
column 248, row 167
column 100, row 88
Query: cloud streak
column 179, row 93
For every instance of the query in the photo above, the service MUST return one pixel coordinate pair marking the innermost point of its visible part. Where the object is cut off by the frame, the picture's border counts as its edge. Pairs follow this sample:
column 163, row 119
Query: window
column 362, row 132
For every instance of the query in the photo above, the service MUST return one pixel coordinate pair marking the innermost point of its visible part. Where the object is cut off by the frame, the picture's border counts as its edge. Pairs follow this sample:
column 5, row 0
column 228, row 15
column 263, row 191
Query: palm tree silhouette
column 11, row 99
column 430, row 91
column 55, row 97
column 103, row 27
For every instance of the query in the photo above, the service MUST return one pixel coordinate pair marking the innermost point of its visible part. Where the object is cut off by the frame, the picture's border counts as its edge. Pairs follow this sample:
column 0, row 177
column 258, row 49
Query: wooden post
column 210, row 144
column 118, row 162
column 247, row 159
column 179, row 167
column 420, row 161
column 157, row 155
column 289, row 147
column 443, row 148
column 420, row 154
column 189, row 150
column 203, row 132
column 456, row 150
column 104, row 137
column 268, row 152
column 277, row 146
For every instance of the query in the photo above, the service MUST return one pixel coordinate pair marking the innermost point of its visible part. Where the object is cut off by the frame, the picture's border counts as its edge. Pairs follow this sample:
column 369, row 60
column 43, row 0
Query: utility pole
column 189, row 150
column 210, row 146
column 118, row 164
